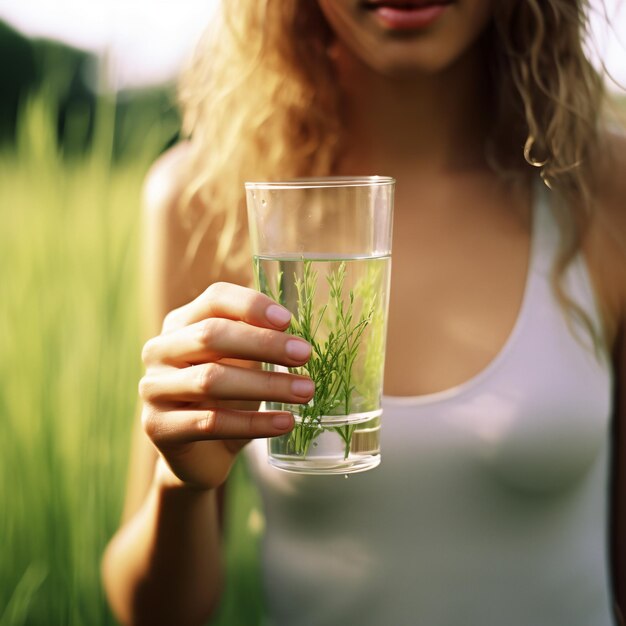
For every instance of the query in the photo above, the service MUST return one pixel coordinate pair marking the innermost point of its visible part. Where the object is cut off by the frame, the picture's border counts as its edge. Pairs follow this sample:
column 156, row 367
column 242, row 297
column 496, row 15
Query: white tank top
column 490, row 506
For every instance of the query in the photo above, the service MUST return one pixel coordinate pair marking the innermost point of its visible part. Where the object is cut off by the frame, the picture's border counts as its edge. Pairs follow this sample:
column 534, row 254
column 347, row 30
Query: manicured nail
column 282, row 422
column 297, row 350
column 302, row 387
column 277, row 315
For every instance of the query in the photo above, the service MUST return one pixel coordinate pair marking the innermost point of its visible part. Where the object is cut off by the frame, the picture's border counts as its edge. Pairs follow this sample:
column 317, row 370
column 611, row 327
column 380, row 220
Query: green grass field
column 70, row 345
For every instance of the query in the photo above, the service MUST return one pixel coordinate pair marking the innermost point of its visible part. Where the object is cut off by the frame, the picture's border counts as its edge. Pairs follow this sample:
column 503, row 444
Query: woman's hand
column 198, row 402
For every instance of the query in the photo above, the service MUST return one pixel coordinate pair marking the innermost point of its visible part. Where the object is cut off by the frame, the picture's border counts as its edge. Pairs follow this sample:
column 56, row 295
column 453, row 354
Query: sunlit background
column 87, row 103
column 147, row 41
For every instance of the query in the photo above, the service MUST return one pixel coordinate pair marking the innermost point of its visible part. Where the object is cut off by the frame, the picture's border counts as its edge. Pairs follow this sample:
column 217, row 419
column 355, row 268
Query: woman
column 498, row 499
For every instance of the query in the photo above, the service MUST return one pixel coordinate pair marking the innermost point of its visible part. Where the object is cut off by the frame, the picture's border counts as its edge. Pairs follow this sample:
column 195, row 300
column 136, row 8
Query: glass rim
column 322, row 182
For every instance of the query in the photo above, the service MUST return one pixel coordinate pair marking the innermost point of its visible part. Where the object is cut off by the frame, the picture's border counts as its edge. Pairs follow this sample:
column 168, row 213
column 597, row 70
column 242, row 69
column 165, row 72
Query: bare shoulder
column 178, row 246
column 607, row 235
column 165, row 181
column 164, row 239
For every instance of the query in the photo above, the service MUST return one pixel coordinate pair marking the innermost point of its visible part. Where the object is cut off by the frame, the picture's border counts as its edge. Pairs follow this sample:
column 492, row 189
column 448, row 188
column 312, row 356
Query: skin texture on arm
column 163, row 565
column 200, row 398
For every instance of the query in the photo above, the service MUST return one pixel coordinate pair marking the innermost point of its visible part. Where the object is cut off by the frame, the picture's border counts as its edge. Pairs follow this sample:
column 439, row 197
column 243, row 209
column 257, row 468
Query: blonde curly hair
column 260, row 100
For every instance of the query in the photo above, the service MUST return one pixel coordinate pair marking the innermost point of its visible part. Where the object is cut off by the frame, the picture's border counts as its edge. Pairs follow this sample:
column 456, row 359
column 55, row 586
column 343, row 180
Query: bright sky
column 147, row 40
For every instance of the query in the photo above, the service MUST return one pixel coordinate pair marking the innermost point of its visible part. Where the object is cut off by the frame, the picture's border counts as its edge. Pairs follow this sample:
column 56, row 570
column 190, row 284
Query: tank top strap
column 577, row 280
column 545, row 233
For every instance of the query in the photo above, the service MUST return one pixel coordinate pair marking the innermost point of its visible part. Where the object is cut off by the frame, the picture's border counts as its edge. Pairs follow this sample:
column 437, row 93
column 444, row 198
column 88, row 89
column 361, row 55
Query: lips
column 407, row 15
column 405, row 4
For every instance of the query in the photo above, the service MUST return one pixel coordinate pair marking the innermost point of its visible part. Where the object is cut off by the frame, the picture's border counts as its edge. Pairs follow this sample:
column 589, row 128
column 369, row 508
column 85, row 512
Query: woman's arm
column 163, row 564
column 199, row 408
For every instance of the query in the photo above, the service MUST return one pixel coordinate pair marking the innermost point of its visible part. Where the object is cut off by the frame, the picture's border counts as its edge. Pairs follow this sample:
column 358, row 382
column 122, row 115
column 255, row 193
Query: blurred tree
column 17, row 75
column 69, row 78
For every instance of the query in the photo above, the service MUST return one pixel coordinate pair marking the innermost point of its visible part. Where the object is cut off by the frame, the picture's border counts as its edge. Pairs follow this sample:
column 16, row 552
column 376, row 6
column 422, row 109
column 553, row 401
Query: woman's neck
column 434, row 122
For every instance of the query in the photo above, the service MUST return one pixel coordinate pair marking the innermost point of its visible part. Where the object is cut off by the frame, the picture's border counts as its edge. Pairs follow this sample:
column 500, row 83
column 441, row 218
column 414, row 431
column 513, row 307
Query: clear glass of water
column 322, row 248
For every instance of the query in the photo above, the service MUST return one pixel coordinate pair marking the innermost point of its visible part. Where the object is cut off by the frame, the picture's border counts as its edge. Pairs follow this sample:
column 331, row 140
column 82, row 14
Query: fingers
column 174, row 427
column 232, row 302
column 225, row 382
column 216, row 338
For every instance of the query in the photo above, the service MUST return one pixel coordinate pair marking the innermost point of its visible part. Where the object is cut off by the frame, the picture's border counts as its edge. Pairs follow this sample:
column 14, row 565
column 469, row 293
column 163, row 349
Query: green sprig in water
column 332, row 358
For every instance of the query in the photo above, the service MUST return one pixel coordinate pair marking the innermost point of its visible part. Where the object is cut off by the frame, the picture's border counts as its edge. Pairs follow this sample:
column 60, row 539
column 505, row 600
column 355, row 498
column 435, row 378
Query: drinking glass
column 322, row 248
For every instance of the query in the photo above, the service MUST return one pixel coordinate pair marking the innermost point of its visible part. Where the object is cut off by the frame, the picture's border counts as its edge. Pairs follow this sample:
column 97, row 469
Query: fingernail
column 302, row 387
column 277, row 315
column 283, row 422
column 297, row 349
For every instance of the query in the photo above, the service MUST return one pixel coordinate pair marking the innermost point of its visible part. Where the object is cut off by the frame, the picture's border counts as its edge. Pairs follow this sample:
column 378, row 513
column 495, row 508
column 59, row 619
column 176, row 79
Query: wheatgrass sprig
column 332, row 360
column 333, row 355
